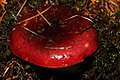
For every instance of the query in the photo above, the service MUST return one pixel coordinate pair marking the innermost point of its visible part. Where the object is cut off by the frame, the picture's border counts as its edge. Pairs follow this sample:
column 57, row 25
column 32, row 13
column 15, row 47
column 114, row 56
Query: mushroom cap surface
column 68, row 40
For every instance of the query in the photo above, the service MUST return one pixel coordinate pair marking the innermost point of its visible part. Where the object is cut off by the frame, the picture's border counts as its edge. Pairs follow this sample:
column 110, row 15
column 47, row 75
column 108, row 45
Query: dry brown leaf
column 2, row 4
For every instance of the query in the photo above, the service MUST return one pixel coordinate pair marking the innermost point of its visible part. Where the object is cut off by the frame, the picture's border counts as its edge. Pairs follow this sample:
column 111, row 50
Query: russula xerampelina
column 53, row 37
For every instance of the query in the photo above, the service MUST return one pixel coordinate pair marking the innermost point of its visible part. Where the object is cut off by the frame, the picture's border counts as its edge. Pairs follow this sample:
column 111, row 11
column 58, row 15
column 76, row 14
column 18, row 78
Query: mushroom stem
column 35, row 15
column 44, row 18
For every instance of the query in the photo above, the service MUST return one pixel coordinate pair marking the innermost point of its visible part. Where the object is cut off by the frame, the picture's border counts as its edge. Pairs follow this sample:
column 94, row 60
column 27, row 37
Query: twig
column 21, row 7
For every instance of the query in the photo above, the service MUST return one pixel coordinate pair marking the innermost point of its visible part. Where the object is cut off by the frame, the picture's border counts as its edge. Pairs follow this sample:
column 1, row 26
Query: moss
column 7, row 52
column 105, row 66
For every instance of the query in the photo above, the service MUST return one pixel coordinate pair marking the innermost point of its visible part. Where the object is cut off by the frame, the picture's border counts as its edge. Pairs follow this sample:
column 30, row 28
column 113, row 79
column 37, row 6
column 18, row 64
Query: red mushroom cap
column 66, row 42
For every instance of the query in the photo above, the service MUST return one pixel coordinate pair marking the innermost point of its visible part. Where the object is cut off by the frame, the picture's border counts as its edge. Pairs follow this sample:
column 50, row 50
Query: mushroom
column 53, row 37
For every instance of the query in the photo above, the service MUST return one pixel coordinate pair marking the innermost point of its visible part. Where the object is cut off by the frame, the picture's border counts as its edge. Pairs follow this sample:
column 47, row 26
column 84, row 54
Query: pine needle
column 32, row 32
column 34, row 16
column 21, row 7
column 44, row 18
column 1, row 17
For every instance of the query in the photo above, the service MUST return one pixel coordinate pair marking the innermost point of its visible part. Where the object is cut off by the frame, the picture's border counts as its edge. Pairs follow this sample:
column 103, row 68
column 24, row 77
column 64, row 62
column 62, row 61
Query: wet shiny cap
column 62, row 40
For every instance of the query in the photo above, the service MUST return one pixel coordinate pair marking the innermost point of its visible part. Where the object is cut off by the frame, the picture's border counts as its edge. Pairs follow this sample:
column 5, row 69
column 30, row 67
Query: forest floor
column 104, row 64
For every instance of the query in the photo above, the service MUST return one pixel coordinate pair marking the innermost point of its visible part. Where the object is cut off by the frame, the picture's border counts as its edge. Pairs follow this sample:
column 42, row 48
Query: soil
column 104, row 64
